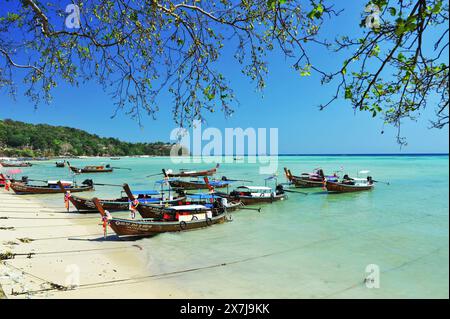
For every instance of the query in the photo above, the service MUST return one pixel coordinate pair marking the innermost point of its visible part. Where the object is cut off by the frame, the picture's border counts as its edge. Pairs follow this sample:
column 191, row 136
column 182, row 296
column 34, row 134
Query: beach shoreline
column 52, row 250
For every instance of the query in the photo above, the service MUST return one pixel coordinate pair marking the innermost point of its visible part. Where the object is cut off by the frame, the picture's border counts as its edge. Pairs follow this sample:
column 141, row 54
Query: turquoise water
column 310, row 246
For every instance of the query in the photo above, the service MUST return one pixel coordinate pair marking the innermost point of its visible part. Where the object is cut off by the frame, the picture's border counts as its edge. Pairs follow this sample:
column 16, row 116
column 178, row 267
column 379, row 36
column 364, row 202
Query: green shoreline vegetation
column 19, row 139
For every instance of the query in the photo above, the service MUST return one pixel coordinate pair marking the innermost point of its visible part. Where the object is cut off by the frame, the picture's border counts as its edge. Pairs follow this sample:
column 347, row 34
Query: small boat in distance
column 91, row 169
column 60, row 164
column 186, row 173
column 15, row 164
column 174, row 219
column 351, row 184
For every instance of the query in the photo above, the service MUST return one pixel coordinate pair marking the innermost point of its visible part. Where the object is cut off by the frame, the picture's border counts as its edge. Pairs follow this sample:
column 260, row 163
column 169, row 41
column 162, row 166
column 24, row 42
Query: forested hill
column 29, row 140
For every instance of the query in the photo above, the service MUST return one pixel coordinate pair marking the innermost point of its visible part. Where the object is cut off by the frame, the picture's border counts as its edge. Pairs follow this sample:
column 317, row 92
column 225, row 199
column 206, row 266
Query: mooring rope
column 50, row 218
column 29, row 255
column 130, row 280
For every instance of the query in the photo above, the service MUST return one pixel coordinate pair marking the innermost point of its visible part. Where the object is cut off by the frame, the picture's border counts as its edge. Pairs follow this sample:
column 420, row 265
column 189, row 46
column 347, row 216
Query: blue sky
column 288, row 103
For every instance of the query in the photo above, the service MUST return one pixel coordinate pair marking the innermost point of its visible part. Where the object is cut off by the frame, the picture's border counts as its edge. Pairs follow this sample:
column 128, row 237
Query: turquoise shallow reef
column 310, row 246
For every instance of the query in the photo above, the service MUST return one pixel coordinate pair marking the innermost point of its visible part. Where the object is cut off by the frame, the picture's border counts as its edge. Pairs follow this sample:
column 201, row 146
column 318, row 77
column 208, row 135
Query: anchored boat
column 351, row 184
column 15, row 164
column 174, row 219
column 51, row 187
column 187, row 173
column 310, row 180
column 91, row 169
column 251, row 195
column 195, row 184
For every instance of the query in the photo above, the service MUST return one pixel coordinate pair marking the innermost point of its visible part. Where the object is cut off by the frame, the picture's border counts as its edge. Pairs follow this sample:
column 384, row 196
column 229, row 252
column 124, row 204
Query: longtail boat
column 195, row 184
column 91, row 169
column 350, row 184
column 52, row 187
column 310, row 180
column 154, row 207
column 123, row 203
column 208, row 199
column 60, row 164
column 251, row 195
column 15, row 164
column 186, row 173
column 174, row 219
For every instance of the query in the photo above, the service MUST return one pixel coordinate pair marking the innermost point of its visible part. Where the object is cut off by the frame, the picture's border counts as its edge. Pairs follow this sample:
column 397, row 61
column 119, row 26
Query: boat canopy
column 202, row 196
column 148, row 192
column 219, row 183
column 188, row 207
column 255, row 188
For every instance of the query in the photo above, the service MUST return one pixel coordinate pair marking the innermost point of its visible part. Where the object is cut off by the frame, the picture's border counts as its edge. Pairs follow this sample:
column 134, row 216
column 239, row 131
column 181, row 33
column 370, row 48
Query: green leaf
column 437, row 7
column 393, row 11
column 317, row 12
column 348, row 93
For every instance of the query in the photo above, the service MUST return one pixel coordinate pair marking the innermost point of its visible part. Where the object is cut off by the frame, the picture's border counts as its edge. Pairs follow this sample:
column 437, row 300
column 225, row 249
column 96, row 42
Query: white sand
column 68, row 248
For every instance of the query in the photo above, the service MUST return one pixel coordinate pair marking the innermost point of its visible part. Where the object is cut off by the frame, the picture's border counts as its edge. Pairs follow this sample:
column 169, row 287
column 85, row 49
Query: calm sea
column 311, row 246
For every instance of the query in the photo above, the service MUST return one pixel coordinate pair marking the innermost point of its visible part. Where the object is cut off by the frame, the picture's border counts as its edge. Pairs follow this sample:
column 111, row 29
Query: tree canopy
column 28, row 140
column 138, row 49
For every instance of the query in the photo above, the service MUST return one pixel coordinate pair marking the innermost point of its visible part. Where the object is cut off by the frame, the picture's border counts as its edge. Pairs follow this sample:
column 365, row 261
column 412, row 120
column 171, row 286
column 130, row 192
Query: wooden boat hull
column 86, row 205
column 143, row 228
column 248, row 200
column 208, row 172
column 306, row 183
column 16, row 165
column 234, row 206
column 191, row 185
column 90, row 171
column 156, row 210
column 333, row 187
column 24, row 189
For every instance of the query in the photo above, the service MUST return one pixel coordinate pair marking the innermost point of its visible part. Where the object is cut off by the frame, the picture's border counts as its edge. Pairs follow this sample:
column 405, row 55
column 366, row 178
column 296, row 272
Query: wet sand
column 49, row 253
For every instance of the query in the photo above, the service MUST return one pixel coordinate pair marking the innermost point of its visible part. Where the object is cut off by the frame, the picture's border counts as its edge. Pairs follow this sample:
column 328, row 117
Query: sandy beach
column 47, row 252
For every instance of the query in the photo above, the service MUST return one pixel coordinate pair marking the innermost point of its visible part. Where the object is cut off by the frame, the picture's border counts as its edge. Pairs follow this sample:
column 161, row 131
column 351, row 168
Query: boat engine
column 88, row 182
column 279, row 189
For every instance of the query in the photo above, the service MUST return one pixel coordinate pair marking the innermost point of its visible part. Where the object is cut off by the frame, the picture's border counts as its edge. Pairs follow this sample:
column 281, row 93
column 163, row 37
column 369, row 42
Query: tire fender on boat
column 208, row 221
column 183, row 225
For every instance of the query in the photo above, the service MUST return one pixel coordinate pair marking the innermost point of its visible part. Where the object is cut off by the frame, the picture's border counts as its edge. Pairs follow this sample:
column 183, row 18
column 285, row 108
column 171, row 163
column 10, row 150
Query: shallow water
column 310, row 246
